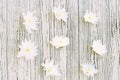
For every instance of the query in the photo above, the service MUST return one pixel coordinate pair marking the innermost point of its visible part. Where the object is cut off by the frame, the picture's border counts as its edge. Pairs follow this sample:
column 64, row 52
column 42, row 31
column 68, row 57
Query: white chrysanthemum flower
column 51, row 69
column 28, row 49
column 89, row 69
column 30, row 22
column 61, row 14
column 91, row 18
column 60, row 41
column 99, row 48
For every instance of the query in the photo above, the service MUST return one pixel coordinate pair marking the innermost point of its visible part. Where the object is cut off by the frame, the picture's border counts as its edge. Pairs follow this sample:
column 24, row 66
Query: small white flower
column 51, row 69
column 89, row 69
column 60, row 41
column 99, row 48
column 91, row 18
column 60, row 13
column 28, row 49
column 30, row 22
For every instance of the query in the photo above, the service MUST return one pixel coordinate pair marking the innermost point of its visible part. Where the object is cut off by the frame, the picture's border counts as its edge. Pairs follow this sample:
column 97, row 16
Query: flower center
column 27, row 50
column 88, row 70
column 89, row 17
column 60, row 42
column 58, row 13
column 49, row 69
column 29, row 20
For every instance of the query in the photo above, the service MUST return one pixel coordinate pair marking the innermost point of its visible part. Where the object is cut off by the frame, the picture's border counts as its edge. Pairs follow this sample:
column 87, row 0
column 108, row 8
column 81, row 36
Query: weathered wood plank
column 73, row 32
column 69, row 58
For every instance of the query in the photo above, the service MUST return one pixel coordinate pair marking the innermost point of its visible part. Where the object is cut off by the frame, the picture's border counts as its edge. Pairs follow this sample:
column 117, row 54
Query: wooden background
column 81, row 36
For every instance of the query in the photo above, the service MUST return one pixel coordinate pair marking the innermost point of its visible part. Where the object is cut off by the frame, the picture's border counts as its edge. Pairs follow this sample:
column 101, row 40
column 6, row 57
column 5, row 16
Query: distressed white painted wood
column 69, row 58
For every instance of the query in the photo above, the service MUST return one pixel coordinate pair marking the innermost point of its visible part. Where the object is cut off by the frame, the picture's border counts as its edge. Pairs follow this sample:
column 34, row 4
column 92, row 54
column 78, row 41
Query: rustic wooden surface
column 81, row 36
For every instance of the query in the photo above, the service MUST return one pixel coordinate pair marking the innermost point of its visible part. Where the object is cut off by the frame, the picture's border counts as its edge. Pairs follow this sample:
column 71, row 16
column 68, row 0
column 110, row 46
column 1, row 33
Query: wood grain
column 69, row 58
